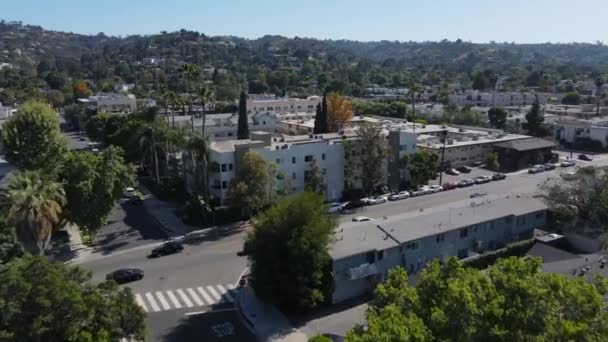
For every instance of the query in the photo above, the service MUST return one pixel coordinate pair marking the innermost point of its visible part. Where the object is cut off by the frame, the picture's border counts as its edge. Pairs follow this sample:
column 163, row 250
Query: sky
column 520, row 21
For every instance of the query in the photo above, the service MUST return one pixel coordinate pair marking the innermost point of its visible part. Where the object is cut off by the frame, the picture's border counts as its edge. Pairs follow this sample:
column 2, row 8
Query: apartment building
column 500, row 99
column 364, row 252
column 6, row 111
column 111, row 103
column 269, row 103
column 572, row 130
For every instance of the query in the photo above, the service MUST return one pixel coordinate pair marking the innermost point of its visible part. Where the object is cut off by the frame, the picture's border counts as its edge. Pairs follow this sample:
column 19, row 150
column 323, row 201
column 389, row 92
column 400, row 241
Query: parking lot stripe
column 225, row 293
column 152, row 302
column 184, row 298
column 213, row 293
column 141, row 302
column 197, row 300
column 205, row 295
column 162, row 300
column 173, row 299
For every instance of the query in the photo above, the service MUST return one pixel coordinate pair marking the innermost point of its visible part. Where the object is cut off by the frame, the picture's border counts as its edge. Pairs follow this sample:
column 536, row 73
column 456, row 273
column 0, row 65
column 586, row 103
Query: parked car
column 464, row 169
column 423, row 190
column 498, row 176
column 584, row 157
column 478, row 194
column 435, row 188
column 549, row 167
column 477, row 163
column 353, row 205
column 465, row 182
column 452, row 172
column 567, row 163
column 125, row 275
column 167, row 248
column 377, row 200
column 361, row 219
column 334, row 207
column 482, row 179
column 536, row 169
column 399, row 196
column 449, row 186
column 129, row 192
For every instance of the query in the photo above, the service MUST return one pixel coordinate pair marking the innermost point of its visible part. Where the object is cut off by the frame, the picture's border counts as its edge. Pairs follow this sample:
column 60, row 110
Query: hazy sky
column 470, row 20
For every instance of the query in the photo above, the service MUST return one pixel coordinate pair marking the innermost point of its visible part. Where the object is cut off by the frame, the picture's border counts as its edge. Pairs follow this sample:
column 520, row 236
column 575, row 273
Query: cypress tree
column 243, row 126
column 318, row 120
column 321, row 118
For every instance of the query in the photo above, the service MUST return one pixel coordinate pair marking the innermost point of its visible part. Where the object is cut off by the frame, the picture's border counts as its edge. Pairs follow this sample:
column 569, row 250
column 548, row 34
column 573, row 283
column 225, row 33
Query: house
column 518, row 154
column 269, row 103
column 111, row 103
column 364, row 252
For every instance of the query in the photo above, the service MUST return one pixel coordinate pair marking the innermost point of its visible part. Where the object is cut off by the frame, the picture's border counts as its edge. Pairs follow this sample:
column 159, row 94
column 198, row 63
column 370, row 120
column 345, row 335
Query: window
column 278, row 160
column 224, row 184
column 539, row 215
column 492, row 225
column 264, row 123
column 293, row 175
column 323, row 156
column 413, row 245
column 508, row 220
column 293, row 160
column 223, row 167
column 371, row 257
column 440, row 238
column 308, row 158
column 230, row 167
column 380, row 255
column 324, row 171
column 464, row 232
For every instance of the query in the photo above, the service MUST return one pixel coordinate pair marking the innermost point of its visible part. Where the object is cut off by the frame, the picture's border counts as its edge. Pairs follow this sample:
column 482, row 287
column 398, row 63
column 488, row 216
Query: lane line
column 225, row 293
column 141, row 302
column 152, row 302
column 184, row 298
column 205, row 295
column 174, row 299
column 213, row 293
column 197, row 300
column 163, row 301
column 208, row 311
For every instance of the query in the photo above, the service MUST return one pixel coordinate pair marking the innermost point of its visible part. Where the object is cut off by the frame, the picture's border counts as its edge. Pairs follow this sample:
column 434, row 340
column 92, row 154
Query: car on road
column 377, row 200
column 449, row 186
column 567, row 163
column 125, row 275
column 452, row 172
column 584, row 157
column 536, row 169
column 167, row 248
column 334, row 207
column 129, row 192
column 435, row 188
column 423, row 190
column 464, row 169
column 498, row 176
column 482, row 179
column 465, row 183
column 549, row 167
column 477, row 163
column 399, row 196
column 361, row 219
column 478, row 194
column 352, row 205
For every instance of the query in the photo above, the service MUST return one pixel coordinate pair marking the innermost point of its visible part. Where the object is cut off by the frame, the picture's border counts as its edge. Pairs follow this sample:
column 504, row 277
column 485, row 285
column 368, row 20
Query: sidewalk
column 164, row 213
column 265, row 320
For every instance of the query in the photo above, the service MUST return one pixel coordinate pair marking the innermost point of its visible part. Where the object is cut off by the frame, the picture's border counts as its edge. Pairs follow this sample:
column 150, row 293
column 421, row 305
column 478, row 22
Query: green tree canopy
column 512, row 301
column 10, row 249
column 491, row 162
column 290, row 263
column 498, row 117
column 571, row 99
column 32, row 138
column 249, row 189
column 313, row 178
column 534, row 120
column 373, row 156
column 421, row 166
column 93, row 183
column 47, row 301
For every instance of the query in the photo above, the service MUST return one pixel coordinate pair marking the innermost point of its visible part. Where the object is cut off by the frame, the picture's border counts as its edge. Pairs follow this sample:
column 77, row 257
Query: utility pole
column 441, row 164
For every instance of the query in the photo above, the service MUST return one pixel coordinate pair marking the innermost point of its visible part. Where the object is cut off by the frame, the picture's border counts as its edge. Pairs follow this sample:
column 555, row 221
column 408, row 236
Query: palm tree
column 175, row 102
column 190, row 72
column 198, row 148
column 33, row 204
column 206, row 94
column 151, row 139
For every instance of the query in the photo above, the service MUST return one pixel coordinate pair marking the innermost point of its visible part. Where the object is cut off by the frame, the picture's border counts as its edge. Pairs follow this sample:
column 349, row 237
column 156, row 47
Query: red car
column 449, row 186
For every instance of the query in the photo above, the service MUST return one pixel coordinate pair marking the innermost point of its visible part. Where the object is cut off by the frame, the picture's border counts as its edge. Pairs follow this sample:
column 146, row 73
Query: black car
column 353, row 205
column 477, row 163
column 549, row 167
column 125, row 275
column 166, row 249
column 498, row 176
column 584, row 157
column 464, row 169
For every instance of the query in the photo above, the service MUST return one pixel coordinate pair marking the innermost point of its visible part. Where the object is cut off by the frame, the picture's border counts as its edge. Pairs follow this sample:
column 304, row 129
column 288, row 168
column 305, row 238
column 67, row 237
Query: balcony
column 362, row 271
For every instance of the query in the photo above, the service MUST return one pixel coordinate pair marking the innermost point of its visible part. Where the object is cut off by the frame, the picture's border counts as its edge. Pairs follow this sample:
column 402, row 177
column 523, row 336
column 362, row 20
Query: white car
column 435, row 188
column 334, row 207
column 399, row 196
column 377, row 200
column 361, row 219
column 421, row 191
column 129, row 192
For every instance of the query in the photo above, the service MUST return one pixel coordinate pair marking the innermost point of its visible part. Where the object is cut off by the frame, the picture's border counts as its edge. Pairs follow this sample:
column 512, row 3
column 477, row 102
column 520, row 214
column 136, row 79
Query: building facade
column 111, row 103
column 500, row 99
column 264, row 103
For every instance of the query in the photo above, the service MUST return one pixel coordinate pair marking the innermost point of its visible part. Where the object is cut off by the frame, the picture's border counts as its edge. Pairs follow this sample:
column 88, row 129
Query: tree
column 10, row 249
column 55, row 98
column 313, row 179
column 511, row 301
column 290, row 262
column 56, row 80
column 571, row 99
column 491, row 162
column 47, row 301
column 33, row 204
column 421, row 166
column 497, row 117
column 80, row 89
column 93, row 183
column 243, row 124
column 74, row 115
column 249, row 189
column 534, row 120
column 206, row 94
column 373, row 156
column 32, row 138
column 339, row 112
column 197, row 146
column 190, row 72
column 320, row 121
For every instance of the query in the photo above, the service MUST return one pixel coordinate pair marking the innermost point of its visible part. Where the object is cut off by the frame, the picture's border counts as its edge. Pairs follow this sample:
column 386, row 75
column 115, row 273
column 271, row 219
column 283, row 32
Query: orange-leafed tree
column 339, row 111
column 81, row 89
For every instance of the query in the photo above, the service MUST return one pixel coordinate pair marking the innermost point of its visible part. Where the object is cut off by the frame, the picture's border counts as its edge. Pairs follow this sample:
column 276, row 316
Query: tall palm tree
column 198, row 148
column 151, row 140
column 175, row 102
column 206, row 94
column 190, row 72
column 33, row 204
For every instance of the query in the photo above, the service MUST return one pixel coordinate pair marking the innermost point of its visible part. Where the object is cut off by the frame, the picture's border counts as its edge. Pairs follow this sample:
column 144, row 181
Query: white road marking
column 197, row 300
column 213, row 293
column 141, row 302
column 152, row 302
column 208, row 311
column 225, row 293
column 205, row 295
column 173, row 299
column 184, row 298
column 162, row 300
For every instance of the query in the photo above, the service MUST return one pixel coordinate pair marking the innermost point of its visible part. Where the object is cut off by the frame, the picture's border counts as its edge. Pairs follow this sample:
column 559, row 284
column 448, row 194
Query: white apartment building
column 111, row 103
column 570, row 130
column 6, row 111
column 265, row 103
column 500, row 99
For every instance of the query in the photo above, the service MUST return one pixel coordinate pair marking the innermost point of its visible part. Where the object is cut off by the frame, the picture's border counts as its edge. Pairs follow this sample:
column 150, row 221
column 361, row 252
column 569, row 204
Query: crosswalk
column 156, row 301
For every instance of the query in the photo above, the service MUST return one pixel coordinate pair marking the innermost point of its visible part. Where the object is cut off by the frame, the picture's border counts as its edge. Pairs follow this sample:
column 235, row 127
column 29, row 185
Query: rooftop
column 527, row 144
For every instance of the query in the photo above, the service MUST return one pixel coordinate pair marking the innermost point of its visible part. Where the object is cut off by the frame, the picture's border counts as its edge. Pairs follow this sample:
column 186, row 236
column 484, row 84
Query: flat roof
column 359, row 237
column 527, row 144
